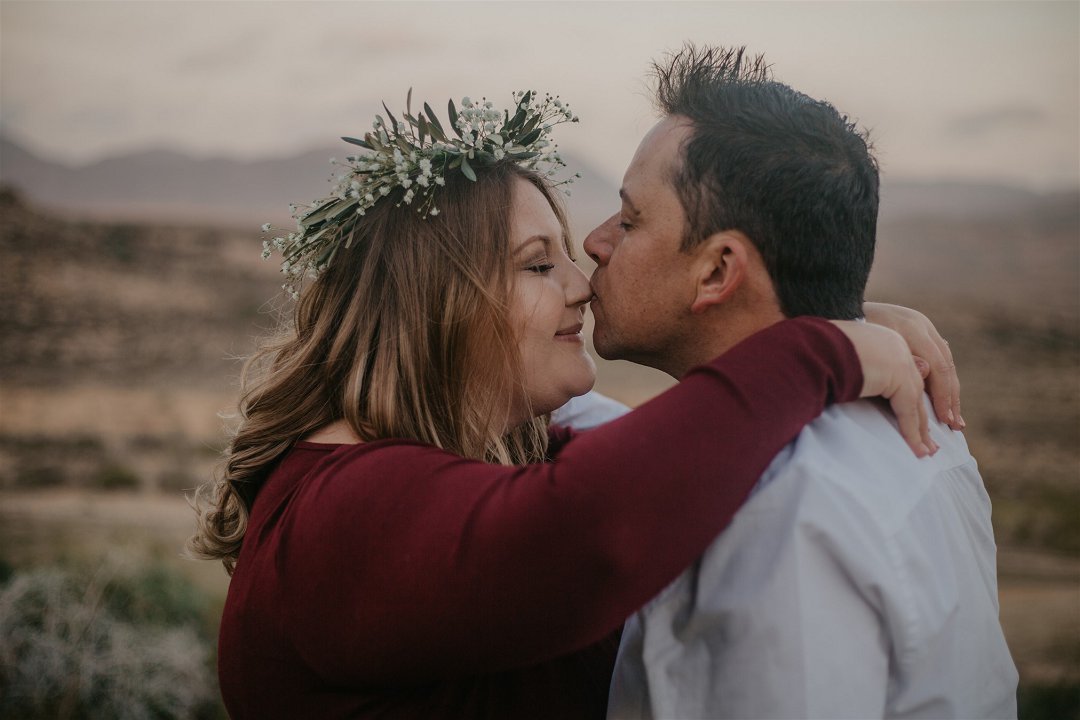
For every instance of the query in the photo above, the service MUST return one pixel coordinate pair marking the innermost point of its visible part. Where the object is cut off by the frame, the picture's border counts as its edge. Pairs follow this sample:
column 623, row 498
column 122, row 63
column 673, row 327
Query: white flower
column 406, row 183
column 439, row 180
column 422, row 180
column 384, row 190
column 370, row 198
column 466, row 102
column 266, row 227
column 434, row 211
column 398, row 157
column 499, row 153
column 408, row 196
column 360, row 211
column 333, row 160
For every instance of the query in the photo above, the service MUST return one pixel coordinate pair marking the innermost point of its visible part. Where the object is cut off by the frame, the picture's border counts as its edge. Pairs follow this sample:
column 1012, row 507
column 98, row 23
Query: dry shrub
column 121, row 643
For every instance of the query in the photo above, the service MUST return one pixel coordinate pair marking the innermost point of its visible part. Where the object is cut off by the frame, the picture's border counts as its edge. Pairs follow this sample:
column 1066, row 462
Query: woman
column 407, row 540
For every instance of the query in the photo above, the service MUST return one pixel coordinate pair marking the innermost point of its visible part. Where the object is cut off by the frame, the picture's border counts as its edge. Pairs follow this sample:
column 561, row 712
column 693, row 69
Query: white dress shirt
column 589, row 410
column 856, row 582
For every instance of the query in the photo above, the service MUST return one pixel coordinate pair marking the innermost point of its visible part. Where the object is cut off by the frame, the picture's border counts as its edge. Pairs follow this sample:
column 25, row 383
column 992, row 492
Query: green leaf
column 466, row 169
column 435, row 124
column 531, row 125
column 530, row 138
column 519, row 118
column 452, row 111
column 421, row 128
column 392, row 119
column 523, row 156
column 330, row 208
column 408, row 103
column 355, row 141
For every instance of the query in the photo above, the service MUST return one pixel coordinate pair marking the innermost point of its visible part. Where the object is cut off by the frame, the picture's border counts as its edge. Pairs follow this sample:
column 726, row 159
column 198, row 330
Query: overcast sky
column 963, row 90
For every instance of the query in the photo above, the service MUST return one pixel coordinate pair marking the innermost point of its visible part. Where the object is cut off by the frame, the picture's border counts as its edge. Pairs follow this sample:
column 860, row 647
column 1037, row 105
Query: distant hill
column 165, row 185
column 986, row 244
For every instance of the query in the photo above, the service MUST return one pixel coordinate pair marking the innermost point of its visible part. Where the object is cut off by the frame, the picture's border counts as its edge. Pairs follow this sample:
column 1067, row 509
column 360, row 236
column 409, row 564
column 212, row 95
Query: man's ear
column 721, row 267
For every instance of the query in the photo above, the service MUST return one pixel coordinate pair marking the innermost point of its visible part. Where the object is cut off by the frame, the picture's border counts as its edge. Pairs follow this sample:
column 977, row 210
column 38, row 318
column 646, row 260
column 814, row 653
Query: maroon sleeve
column 421, row 564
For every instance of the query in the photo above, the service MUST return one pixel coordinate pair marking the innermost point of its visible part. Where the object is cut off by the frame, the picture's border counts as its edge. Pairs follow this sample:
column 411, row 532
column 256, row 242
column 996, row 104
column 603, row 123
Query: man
column 858, row 580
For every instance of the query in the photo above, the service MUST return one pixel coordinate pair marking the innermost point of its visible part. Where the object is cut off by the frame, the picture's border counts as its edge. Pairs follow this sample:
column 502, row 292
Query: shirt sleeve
column 423, row 563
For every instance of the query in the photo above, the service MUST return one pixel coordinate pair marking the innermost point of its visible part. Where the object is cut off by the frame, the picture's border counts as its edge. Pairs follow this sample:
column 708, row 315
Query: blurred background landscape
column 131, row 284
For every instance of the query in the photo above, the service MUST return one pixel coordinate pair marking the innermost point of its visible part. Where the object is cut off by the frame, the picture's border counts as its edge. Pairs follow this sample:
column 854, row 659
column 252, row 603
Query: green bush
column 115, row 643
column 112, row 476
column 1049, row 702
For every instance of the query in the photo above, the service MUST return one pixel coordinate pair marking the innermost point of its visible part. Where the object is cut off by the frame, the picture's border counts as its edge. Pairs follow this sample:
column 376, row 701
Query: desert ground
column 119, row 365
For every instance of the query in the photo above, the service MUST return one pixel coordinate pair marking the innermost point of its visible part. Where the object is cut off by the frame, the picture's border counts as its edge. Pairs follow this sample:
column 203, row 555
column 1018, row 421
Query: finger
column 906, row 403
column 922, row 365
column 959, row 424
column 942, row 383
column 924, row 426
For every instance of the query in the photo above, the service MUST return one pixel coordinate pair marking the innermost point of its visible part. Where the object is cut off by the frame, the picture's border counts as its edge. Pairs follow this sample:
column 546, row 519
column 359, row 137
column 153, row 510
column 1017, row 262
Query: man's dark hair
column 788, row 171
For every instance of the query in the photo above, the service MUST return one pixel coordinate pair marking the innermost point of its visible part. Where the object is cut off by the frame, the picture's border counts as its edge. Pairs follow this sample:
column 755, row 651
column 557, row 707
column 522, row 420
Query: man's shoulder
column 853, row 454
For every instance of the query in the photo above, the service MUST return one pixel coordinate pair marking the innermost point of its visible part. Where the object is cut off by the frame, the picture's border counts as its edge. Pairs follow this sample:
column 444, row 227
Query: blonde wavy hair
column 405, row 335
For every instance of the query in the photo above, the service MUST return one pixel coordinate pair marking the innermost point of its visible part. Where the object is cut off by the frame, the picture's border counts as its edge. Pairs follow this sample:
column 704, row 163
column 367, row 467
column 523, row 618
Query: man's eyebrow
column 626, row 199
column 534, row 239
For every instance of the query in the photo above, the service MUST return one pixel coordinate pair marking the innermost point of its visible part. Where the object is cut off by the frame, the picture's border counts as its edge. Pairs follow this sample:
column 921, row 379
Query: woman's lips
column 571, row 333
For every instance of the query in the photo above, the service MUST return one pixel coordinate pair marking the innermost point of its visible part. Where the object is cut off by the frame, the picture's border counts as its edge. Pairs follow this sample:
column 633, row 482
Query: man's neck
column 720, row 334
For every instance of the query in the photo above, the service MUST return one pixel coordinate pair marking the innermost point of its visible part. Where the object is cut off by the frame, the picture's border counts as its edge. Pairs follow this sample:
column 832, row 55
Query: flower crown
column 416, row 155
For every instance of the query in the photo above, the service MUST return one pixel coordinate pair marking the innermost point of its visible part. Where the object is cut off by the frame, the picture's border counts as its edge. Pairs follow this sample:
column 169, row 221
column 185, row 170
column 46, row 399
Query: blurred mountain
column 165, row 185
column 985, row 243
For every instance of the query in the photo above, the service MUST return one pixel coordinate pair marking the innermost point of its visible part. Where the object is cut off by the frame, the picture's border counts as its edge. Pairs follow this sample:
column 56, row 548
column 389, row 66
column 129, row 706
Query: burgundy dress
column 391, row 579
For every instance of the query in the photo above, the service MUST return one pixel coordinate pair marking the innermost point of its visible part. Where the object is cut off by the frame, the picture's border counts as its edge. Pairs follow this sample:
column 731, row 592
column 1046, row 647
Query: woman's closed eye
column 540, row 267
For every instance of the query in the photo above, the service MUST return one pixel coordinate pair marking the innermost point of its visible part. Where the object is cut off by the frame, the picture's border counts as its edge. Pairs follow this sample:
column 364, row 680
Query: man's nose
column 601, row 241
